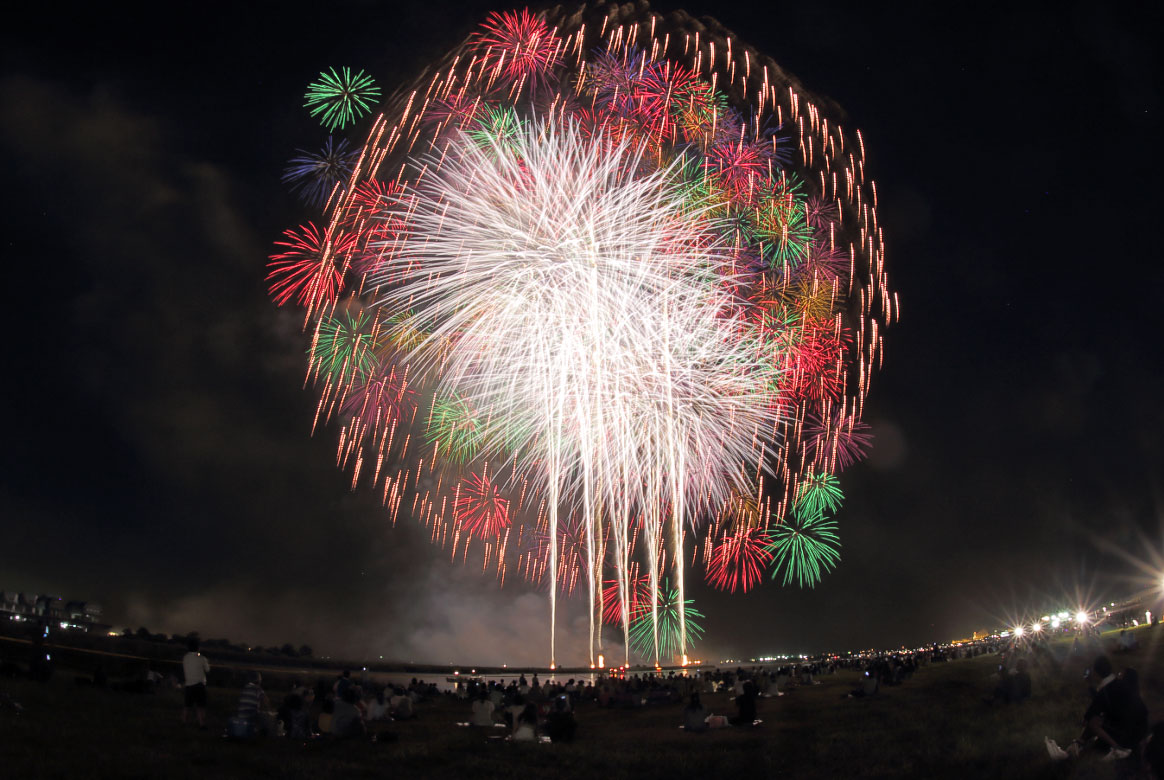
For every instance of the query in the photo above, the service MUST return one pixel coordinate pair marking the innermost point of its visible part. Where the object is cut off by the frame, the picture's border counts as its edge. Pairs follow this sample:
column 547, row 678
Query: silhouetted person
column 746, row 706
column 1115, row 719
column 526, row 728
column 347, row 721
column 560, row 723
column 695, row 715
column 195, row 667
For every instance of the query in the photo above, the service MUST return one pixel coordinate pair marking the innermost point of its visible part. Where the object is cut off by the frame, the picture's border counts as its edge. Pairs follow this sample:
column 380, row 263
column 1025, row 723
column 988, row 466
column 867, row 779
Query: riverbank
column 935, row 725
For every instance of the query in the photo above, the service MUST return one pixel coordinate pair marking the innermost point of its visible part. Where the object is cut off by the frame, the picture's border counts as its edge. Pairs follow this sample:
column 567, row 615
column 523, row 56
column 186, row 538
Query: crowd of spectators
column 1114, row 724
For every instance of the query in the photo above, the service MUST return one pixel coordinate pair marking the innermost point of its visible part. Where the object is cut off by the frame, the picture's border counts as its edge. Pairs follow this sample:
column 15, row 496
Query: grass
column 933, row 726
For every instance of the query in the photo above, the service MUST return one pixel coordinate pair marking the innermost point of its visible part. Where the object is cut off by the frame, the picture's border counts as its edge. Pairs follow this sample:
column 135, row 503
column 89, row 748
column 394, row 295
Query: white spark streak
column 576, row 297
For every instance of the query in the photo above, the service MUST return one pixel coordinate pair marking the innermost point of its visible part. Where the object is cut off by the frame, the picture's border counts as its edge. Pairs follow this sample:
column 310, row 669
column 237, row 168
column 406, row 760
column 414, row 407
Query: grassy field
column 934, row 726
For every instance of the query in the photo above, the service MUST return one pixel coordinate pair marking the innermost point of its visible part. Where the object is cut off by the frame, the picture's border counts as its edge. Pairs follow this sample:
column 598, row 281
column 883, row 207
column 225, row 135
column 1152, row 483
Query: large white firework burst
column 576, row 297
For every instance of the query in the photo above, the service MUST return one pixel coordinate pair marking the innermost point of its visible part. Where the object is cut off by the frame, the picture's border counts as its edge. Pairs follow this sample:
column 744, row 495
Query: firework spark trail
column 640, row 275
column 587, row 310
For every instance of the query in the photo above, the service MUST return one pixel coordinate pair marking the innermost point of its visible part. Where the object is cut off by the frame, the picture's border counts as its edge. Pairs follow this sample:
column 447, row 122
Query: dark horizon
column 157, row 454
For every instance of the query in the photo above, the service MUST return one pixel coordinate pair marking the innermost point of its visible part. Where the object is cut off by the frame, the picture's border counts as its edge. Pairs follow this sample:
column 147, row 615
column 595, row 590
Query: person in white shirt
column 195, row 668
column 482, row 712
column 378, row 709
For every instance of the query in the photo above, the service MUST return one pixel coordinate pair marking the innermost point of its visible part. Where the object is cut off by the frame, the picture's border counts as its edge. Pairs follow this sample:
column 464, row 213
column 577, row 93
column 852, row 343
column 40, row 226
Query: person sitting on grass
column 400, row 705
column 746, row 706
column 342, row 683
column 293, row 714
column 526, row 727
column 1112, row 721
column 482, row 711
column 254, row 707
column 695, row 715
column 347, row 720
column 1134, row 709
column 326, row 715
column 511, row 713
column 1154, row 751
column 560, row 723
column 869, row 686
column 1021, row 682
column 378, row 709
column 1012, row 687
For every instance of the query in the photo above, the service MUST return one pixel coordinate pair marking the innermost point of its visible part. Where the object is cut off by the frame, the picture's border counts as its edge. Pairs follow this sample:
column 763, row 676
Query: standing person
column 195, row 668
column 342, row 683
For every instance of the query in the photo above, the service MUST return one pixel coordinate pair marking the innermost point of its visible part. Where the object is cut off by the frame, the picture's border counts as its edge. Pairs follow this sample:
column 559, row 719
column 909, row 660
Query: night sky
column 156, row 449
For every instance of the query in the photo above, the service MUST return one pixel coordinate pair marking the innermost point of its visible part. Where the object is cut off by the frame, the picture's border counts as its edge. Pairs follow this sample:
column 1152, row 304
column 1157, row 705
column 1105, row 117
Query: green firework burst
column 340, row 98
column 782, row 227
column 803, row 549
column 346, row 347
column 496, row 127
column 642, row 632
column 818, row 494
column 406, row 331
column 456, row 426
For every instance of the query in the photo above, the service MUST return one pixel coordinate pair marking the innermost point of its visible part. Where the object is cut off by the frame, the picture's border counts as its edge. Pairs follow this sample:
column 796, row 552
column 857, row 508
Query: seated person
column 695, row 715
column 400, row 706
column 378, row 709
column 869, row 686
column 1004, row 691
column 560, row 723
column 511, row 713
column 1133, row 718
column 254, row 707
column 525, row 729
column 1114, row 717
column 326, row 715
column 746, row 706
column 1154, row 751
column 1020, row 682
column 347, row 720
column 1116, row 720
column 482, row 711
column 293, row 714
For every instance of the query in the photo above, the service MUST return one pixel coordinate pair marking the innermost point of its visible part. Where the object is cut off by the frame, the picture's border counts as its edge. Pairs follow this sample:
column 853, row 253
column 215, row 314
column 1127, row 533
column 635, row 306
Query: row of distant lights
column 1057, row 620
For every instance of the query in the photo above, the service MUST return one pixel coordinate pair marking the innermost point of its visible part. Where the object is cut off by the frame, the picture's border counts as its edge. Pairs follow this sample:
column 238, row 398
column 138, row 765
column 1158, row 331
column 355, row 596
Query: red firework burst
column 740, row 166
column 310, row 271
column 638, row 599
column 838, row 442
column 811, row 365
column 460, row 109
column 655, row 96
column 381, row 399
column 824, row 262
column 519, row 46
column 738, row 560
column 615, row 130
column 365, row 219
column 480, row 509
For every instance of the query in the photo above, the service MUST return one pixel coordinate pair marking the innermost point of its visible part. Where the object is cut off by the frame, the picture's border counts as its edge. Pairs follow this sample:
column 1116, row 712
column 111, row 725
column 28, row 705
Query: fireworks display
column 339, row 98
column 666, row 630
column 599, row 300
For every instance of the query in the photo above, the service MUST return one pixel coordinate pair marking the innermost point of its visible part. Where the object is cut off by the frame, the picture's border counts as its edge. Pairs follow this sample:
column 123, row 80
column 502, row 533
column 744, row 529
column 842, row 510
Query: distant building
column 83, row 615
